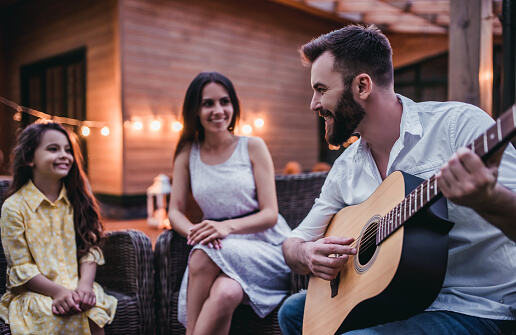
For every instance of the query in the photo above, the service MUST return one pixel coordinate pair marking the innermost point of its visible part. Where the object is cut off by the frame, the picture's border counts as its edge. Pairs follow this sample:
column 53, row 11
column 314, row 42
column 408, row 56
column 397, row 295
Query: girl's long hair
column 86, row 213
column 192, row 129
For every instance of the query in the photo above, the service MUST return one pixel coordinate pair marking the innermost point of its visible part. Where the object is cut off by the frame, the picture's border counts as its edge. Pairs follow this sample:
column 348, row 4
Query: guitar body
column 392, row 281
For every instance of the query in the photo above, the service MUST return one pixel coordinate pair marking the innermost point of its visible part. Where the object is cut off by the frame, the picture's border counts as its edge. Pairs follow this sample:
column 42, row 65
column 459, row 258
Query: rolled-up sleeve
column 94, row 255
column 329, row 202
column 21, row 265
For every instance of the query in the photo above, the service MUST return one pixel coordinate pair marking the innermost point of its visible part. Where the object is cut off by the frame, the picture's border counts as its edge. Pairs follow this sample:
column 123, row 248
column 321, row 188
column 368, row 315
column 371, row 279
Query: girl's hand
column 66, row 302
column 208, row 232
column 86, row 296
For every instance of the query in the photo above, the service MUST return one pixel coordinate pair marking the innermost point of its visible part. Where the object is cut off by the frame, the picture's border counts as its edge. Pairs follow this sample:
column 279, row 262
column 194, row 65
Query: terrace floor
column 138, row 224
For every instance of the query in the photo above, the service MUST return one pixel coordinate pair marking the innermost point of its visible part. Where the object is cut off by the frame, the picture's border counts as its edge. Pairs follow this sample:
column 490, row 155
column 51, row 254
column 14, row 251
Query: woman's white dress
column 255, row 261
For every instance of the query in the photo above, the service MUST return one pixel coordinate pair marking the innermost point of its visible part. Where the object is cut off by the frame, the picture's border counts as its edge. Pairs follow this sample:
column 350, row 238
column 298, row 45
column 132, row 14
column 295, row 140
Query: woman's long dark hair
column 86, row 214
column 192, row 129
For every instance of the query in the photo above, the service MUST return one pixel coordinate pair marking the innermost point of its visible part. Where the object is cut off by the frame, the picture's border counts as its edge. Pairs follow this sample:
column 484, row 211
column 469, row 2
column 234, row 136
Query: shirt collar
column 410, row 122
column 34, row 197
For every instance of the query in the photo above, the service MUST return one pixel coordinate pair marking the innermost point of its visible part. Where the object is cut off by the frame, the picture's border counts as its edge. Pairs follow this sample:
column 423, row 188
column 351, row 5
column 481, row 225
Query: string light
column 137, row 125
column 85, row 131
column 84, row 125
column 155, row 125
column 104, row 131
column 259, row 123
column 247, row 129
column 17, row 116
column 177, row 126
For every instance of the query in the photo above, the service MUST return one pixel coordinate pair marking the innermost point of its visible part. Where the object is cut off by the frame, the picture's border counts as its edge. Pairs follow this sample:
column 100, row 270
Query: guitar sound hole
column 367, row 246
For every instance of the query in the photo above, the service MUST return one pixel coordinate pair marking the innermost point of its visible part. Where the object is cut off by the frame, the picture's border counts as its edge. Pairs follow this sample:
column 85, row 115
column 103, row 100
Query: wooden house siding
column 166, row 43
column 7, row 124
column 142, row 54
column 41, row 29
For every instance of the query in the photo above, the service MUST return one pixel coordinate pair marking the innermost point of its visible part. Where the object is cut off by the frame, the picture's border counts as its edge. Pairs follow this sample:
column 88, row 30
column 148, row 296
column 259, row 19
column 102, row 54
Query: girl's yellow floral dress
column 38, row 237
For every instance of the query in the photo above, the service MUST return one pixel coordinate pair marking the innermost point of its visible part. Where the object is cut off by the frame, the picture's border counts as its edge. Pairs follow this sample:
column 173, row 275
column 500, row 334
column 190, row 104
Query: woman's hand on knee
column 66, row 302
column 208, row 232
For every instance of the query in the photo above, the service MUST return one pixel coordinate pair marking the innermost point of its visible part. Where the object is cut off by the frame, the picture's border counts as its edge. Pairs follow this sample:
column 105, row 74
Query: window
column 424, row 81
column 56, row 86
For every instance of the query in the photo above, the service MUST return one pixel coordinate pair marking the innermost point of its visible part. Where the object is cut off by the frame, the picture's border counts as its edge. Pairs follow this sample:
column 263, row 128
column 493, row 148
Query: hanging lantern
column 157, row 201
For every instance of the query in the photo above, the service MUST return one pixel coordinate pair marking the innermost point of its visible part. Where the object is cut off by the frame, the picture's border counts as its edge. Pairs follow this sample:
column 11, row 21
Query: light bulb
column 247, row 129
column 258, row 123
column 155, row 125
column 137, row 125
column 177, row 126
column 104, row 131
column 85, row 131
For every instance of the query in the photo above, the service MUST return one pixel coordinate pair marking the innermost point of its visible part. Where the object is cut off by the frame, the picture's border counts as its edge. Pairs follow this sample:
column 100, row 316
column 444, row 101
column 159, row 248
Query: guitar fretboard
column 427, row 192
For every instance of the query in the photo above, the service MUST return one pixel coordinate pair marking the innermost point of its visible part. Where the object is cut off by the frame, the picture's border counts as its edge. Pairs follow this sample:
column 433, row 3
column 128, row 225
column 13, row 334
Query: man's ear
column 362, row 86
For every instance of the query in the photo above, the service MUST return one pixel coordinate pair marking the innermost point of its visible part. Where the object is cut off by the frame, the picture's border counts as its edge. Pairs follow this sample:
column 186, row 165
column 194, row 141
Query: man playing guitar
column 352, row 79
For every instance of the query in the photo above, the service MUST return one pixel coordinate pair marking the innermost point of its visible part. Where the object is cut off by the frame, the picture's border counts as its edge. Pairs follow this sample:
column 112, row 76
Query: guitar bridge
column 334, row 285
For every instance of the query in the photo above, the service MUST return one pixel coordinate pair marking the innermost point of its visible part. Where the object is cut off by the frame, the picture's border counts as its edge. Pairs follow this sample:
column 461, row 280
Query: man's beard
column 346, row 118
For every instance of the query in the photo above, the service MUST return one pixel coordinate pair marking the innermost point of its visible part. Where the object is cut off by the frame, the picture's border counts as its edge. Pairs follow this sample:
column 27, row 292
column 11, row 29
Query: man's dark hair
column 357, row 49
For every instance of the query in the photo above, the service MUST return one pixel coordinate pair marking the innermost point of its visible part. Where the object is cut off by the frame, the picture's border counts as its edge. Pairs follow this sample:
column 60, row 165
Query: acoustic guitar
column 401, row 237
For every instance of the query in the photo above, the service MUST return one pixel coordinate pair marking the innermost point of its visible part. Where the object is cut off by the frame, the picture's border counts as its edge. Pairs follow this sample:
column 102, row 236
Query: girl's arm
column 84, row 288
column 65, row 301
column 267, row 216
column 179, row 193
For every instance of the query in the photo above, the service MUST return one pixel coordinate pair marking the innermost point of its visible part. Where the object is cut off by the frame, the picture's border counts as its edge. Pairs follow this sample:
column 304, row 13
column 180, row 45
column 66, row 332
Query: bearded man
column 352, row 80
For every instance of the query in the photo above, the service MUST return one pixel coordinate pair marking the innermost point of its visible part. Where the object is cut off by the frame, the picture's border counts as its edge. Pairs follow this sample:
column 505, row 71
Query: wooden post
column 509, row 54
column 470, row 74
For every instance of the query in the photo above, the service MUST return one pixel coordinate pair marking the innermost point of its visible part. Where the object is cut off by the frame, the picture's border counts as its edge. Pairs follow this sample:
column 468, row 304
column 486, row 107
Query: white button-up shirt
column 481, row 275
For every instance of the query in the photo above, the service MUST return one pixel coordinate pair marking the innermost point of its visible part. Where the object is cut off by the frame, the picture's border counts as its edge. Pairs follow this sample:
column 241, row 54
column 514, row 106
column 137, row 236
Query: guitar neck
column 427, row 192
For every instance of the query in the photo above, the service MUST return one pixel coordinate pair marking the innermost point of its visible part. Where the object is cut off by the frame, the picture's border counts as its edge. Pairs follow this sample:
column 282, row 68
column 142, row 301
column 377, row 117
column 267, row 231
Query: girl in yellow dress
column 51, row 234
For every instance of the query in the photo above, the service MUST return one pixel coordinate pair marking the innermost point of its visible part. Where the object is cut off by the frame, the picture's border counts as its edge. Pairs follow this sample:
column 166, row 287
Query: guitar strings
column 369, row 238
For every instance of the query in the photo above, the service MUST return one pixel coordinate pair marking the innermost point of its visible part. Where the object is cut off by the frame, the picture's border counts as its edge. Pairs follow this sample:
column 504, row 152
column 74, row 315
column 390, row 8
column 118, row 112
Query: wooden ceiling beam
column 416, row 16
column 422, row 6
column 305, row 7
column 408, row 10
column 411, row 29
column 365, row 6
column 402, row 23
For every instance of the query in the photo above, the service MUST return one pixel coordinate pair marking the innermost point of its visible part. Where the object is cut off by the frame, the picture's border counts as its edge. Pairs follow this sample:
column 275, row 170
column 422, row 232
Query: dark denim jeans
column 290, row 318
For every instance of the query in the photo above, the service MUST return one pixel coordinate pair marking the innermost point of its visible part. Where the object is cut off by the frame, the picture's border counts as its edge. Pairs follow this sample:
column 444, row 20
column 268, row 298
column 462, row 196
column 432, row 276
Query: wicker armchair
column 296, row 194
column 127, row 275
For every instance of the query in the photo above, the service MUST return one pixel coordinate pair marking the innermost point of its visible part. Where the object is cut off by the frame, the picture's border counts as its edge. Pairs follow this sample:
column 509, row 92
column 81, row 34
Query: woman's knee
column 226, row 292
column 200, row 263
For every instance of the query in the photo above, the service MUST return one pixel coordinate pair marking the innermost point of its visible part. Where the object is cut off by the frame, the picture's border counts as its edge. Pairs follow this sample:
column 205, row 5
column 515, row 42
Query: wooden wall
column 42, row 29
column 411, row 48
column 166, row 43
column 142, row 54
column 6, row 121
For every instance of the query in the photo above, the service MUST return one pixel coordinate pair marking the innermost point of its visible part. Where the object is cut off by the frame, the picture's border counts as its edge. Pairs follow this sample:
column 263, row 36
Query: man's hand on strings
column 467, row 181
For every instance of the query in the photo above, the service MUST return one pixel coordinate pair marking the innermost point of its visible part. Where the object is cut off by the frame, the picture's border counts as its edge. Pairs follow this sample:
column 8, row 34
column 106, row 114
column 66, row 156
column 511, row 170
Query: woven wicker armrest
column 4, row 185
column 296, row 195
column 298, row 282
column 171, row 257
column 128, row 275
column 4, row 328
